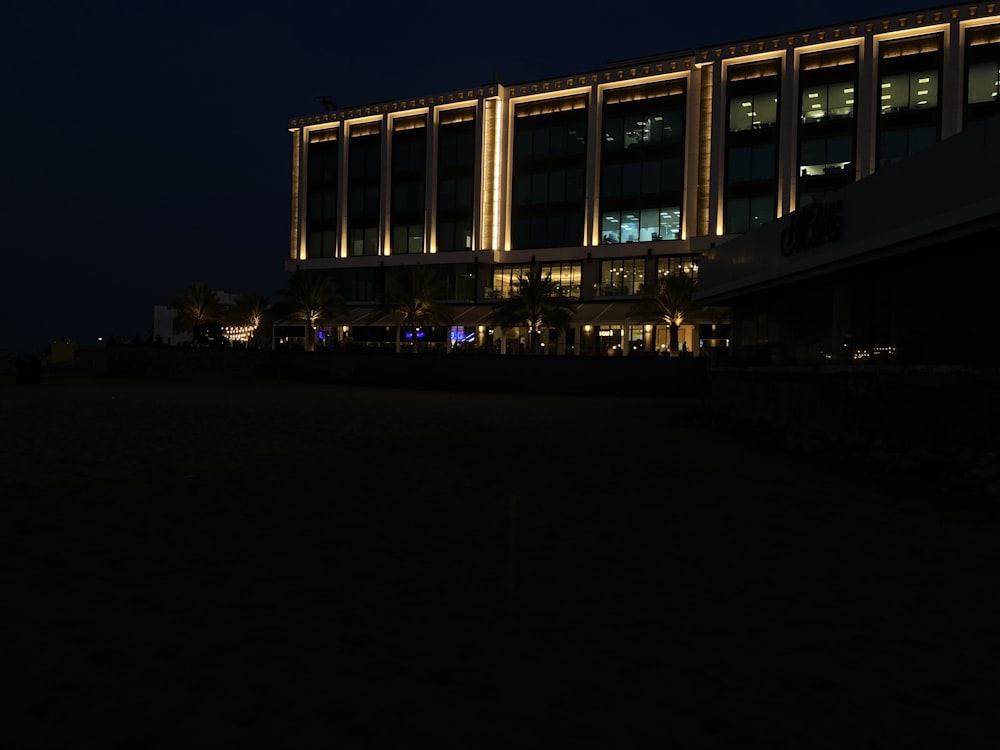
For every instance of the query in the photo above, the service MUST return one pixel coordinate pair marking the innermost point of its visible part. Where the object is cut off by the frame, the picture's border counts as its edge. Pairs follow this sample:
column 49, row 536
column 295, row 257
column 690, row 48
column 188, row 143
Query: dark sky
column 145, row 146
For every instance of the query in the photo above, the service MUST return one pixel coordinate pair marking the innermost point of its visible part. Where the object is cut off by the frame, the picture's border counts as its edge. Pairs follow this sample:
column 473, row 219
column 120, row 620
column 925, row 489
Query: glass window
column 904, row 92
column 408, row 238
column 557, row 187
column 454, row 236
column 753, row 111
column 630, row 226
column 841, row 99
column 631, row 178
column 814, row 103
column 984, row 82
column 540, row 187
column 826, row 155
column 895, row 145
column 751, row 163
column 641, row 225
column 744, row 214
column 322, row 244
column 611, row 180
column 504, row 278
column 740, row 161
column 565, row 278
column 827, row 101
column 363, row 240
column 622, row 277
column 677, row 264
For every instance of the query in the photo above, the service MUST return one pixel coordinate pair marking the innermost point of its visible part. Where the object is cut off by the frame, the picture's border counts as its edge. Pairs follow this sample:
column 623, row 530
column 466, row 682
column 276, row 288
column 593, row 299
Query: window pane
column 923, row 90
column 895, row 96
column 761, row 211
column 540, row 143
column 649, row 224
column 671, row 175
column 631, row 179
column 522, row 189
column 892, row 147
column 737, row 215
column 540, row 188
column 673, row 126
column 670, row 223
column 613, row 134
column 557, row 142
column 651, row 177
column 814, row 103
column 740, row 113
column 766, row 110
column 522, row 143
column 611, row 180
column 463, row 192
column 841, row 99
column 763, row 162
column 813, row 159
column 840, row 151
column 983, row 82
column 610, row 233
column 329, row 205
column 630, row 227
column 557, row 186
column 739, row 165
column 399, row 238
column 415, row 239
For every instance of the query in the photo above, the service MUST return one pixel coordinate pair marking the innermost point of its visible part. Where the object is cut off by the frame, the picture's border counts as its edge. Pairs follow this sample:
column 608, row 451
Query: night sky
column 145, row 146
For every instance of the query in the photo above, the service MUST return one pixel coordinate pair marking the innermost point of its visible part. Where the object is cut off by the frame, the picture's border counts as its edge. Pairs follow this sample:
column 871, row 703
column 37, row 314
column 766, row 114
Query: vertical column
column 717, row 154
column 595, row 141
column 430, row 181
column 953, row 80
column 385, row 185
column 788, row 122
column 866, row 101
column 343, row 180
column 297, row 249
column 489, row 139
column 698, row 155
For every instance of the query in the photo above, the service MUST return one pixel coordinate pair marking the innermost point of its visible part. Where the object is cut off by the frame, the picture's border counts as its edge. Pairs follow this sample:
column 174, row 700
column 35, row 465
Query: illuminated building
column 610, row 179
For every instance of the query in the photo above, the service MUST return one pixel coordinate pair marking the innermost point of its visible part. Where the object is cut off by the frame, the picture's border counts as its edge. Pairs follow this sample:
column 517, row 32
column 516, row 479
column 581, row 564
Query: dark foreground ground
column 527, row 579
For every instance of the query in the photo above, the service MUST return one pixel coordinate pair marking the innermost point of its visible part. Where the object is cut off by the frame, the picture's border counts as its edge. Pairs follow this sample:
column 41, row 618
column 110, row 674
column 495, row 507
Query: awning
column 474, row 315
column 364, row 316
column 604, row 313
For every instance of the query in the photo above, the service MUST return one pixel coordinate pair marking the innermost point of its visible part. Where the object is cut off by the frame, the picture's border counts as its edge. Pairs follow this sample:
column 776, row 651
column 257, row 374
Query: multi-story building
column 611, row 179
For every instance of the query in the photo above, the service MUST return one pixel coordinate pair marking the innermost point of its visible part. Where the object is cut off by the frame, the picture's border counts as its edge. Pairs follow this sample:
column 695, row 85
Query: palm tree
column 312, row 298
column 671, row 301
column 248, row 311
column 534, row 303
column 412, row 294
column 198, row 306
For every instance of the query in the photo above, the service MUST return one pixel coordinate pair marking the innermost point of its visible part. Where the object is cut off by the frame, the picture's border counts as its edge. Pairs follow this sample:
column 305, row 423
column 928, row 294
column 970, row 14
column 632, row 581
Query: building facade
column 610, row 180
